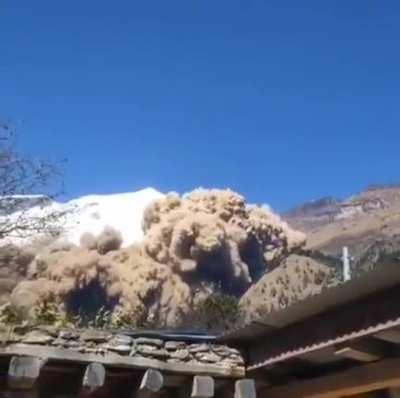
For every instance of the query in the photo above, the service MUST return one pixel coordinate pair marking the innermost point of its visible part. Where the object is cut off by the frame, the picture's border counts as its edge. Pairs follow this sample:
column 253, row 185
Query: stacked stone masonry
column 104, row 344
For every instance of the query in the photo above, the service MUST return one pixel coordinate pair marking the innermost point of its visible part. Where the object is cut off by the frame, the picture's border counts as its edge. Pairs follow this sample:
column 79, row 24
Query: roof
column 356, row 321
column 301, row 351
column 181, row 335
column 355, row 289
column 181, row 354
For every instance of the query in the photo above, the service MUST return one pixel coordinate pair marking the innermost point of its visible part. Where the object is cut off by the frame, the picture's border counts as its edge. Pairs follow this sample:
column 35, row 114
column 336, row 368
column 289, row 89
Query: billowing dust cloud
column 191, row 244
column 212, row 235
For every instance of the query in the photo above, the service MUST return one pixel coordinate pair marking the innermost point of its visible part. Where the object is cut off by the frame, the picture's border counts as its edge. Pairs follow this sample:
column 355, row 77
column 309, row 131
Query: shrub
column 217, row 312
column 47, row 312
column 8, row 316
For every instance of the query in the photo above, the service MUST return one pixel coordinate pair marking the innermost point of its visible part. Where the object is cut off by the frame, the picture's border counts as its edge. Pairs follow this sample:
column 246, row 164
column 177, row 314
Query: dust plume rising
column 191, row 244
column 215, row 236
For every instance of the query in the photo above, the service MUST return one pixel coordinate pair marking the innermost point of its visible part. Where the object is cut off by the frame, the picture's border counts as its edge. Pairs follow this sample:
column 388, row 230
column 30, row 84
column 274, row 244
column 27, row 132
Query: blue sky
column 283, row 101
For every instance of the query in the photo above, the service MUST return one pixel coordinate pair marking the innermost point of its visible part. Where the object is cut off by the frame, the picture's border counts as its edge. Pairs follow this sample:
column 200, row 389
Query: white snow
column 123, row 212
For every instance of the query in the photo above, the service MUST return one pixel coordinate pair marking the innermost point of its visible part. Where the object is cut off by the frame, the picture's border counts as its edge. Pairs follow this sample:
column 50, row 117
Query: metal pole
column 346, row 264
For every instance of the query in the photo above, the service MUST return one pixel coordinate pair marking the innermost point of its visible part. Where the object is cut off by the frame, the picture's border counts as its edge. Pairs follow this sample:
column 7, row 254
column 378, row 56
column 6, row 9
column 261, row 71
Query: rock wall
column 104, row 343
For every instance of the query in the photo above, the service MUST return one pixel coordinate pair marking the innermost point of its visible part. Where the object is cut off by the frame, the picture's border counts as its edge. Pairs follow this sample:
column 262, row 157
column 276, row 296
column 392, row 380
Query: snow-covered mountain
column 90, row 213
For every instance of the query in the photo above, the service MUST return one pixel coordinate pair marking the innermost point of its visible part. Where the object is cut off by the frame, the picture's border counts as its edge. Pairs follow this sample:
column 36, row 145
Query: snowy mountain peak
column 92, row 213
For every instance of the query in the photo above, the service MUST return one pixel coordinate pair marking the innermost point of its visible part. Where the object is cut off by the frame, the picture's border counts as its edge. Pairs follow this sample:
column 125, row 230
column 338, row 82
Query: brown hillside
column 358, row 222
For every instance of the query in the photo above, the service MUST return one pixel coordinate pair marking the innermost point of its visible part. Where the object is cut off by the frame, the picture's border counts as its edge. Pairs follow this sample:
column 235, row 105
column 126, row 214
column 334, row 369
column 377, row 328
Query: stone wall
column 108, row 345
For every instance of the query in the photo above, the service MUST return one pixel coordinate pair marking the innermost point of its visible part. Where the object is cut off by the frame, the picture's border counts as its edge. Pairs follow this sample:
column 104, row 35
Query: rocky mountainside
column 371, row 217
column 314, row 214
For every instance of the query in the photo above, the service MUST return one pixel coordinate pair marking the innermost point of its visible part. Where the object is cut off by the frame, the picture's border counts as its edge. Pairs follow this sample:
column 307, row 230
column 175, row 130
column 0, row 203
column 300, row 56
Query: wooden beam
column 152, row 381
column 393, row 393
column 94, row 378
column 351, row 353
column 389, row 335
column 202, row 387
column 23, row 372
column 245, row 388
column 57, row 354
column 360, row 379
column 365, row 350
column 169, row 380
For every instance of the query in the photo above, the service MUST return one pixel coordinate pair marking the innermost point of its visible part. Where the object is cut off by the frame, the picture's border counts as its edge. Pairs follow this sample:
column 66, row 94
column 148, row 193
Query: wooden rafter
column 357, row 380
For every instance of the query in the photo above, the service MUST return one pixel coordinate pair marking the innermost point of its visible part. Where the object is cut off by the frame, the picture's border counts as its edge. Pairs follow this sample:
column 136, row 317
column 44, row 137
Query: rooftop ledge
column 121, row 350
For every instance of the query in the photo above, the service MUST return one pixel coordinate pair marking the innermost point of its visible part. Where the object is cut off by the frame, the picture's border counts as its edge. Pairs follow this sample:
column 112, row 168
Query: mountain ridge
column 357, row 222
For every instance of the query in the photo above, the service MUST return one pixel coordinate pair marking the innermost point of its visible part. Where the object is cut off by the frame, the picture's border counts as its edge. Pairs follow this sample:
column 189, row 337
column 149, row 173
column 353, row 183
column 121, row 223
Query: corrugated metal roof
column 367, row 284
column 328, row 343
